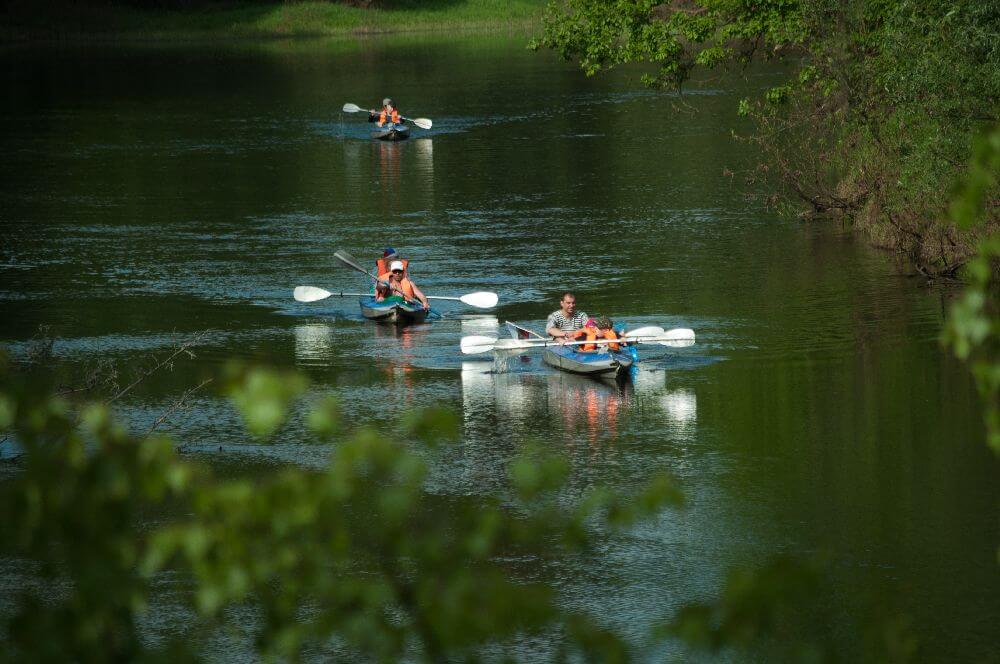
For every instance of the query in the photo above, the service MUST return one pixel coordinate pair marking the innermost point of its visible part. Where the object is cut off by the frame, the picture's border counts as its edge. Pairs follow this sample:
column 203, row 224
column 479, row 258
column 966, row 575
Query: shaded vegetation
column 876, row 120
column 23, row 19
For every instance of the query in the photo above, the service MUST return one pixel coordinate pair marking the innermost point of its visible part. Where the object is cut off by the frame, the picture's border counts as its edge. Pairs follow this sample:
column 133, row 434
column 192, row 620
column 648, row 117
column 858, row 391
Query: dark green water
column 150, row 195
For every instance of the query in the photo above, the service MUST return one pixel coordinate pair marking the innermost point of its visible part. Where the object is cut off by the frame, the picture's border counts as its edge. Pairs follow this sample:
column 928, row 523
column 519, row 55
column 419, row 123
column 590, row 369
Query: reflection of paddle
column 481, row 300
column 677, row 337
column 423, row 123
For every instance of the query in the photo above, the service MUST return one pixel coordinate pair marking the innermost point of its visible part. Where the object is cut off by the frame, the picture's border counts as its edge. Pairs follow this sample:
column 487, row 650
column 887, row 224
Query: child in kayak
column 389, row 114
column 600, row 328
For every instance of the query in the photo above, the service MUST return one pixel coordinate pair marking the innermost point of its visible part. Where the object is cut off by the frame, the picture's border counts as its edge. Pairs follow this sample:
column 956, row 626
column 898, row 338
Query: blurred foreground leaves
column 357, row 558
column 973, row 327
column 358, row 554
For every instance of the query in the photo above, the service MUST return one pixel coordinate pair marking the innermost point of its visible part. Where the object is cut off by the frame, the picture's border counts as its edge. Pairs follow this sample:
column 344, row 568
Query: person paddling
column 564, row 322
column 389, row 114
column 396, row 282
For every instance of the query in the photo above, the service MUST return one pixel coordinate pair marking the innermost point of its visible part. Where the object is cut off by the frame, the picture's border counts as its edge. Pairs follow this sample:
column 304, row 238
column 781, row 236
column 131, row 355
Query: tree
column 876, row 119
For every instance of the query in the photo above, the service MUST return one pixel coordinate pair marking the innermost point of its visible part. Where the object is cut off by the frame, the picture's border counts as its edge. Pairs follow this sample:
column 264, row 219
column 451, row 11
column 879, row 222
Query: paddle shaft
column 346, row 294
column 497, row 345
column 354, row 265
column 678, row 336
column 542, row 343
column 423, row 123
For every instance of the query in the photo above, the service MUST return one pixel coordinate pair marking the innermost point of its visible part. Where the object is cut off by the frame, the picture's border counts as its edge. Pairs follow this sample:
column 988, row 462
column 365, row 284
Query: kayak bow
column 393, row 310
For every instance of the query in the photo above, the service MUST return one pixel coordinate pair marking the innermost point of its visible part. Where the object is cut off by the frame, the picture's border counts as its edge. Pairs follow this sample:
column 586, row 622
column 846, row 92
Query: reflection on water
column 314, row 344
column 598, row 410
column 424, row 149
column 588, row 406
column 397, row 350
column 681, row 406
column 483, row 325
column 396, row 158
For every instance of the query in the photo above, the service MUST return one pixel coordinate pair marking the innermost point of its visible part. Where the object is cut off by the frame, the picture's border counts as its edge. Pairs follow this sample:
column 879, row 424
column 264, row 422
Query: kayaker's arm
column 420, row 296
column 552, row 329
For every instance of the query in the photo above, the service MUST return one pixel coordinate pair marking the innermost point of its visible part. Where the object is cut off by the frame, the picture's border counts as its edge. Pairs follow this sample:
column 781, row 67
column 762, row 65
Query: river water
column 153, row 195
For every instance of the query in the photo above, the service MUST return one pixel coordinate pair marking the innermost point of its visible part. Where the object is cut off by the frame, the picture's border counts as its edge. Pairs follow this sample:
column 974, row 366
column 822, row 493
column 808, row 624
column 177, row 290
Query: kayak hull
column 394, row 310
column 395, row 133
column 613, row 363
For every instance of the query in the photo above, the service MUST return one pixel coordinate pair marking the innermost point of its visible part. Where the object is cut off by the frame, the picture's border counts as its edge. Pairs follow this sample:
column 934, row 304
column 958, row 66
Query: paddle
column 480, row 299
column 423, row 123
column 678, row 337
column 352, row 263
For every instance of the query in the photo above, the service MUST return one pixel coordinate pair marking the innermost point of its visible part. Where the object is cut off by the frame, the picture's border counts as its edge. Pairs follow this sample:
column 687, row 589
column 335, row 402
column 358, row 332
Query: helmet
column 387, row 102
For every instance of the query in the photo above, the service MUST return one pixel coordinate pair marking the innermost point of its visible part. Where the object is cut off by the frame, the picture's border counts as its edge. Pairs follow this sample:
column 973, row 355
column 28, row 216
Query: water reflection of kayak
column 592, row 364
column 392, row 310
column 395, row 133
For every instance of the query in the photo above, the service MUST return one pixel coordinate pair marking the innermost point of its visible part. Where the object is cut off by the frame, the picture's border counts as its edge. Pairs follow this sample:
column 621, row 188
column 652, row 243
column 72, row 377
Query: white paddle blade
column 310, row 293
column 481, row 299
column 651, row 331
column 423, row 123
column 678, row 337
column 473, row 345
column 351, row 108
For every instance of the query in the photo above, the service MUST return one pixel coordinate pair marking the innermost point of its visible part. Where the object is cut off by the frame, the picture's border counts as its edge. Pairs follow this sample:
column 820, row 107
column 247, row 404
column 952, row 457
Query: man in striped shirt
column 567, row 320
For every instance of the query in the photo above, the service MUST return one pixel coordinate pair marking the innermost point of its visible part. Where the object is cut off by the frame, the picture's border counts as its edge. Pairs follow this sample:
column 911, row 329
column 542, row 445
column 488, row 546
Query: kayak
column 394, row 133
column 568, row 358
column 392, row 310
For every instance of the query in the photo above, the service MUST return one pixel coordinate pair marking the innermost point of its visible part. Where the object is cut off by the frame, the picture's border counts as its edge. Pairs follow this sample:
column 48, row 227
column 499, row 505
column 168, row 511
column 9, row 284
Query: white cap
column 396, row 265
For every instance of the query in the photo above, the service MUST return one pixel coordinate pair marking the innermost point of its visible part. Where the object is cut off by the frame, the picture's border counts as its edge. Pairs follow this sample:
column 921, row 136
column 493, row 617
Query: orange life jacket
column 404, row 285
column 394, row 118
column 593, row 334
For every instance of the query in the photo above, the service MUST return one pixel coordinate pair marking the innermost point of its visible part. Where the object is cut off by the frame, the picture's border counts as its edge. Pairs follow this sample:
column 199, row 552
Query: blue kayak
column 597, row 363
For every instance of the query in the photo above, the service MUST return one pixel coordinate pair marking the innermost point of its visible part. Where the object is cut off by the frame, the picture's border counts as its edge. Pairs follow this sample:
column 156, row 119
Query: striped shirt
column 571, row 324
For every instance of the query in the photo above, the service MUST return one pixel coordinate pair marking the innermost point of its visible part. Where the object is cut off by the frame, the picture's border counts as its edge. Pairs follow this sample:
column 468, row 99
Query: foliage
column 359, row 553
column 74, row 511
column 182, row 20
column 676, row 37
column 882, row 102
column 973, row 327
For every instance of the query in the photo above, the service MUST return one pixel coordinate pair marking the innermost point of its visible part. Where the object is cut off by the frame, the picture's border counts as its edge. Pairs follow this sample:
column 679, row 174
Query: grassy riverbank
column 29, row 20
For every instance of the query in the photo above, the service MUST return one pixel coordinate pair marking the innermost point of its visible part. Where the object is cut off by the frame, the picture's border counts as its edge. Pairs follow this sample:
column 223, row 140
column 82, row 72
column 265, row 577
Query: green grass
column 31, row 20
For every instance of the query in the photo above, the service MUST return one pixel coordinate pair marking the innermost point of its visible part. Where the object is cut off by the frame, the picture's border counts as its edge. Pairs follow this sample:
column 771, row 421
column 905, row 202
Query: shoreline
column 268, row 21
